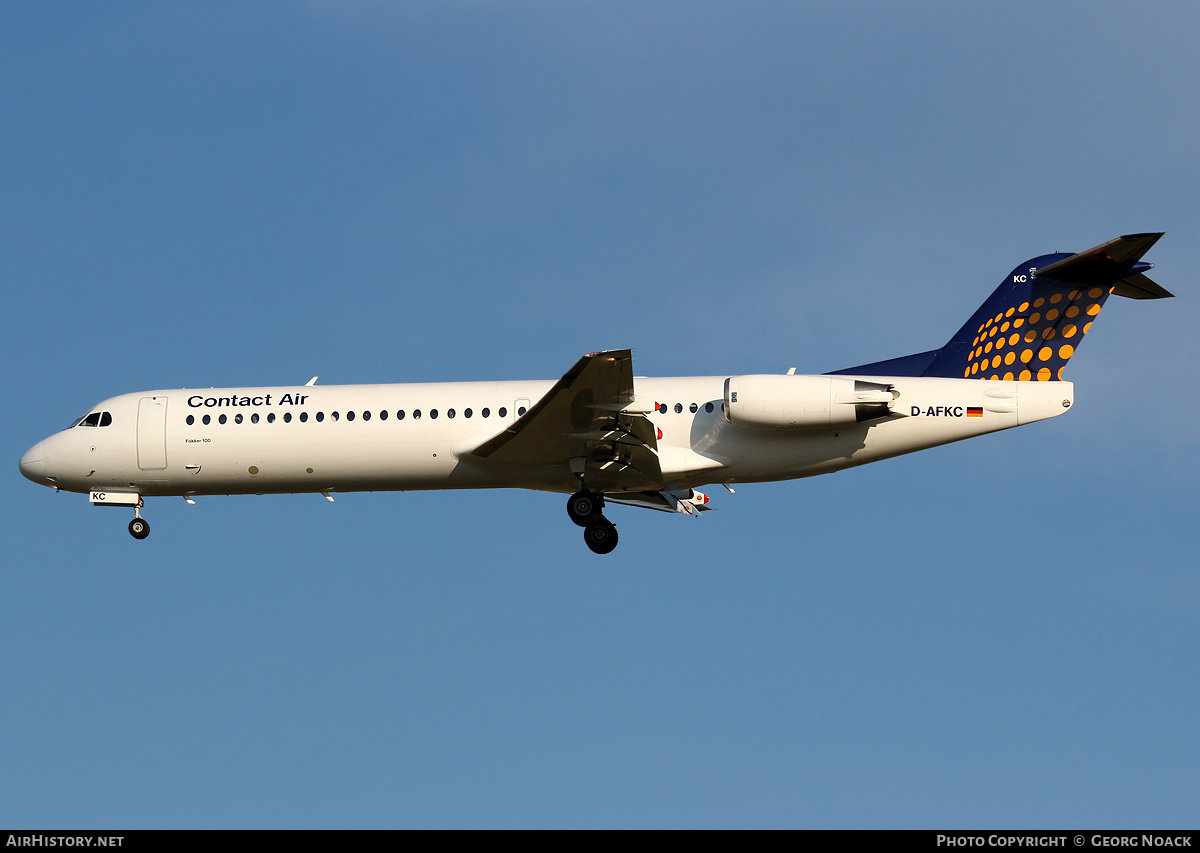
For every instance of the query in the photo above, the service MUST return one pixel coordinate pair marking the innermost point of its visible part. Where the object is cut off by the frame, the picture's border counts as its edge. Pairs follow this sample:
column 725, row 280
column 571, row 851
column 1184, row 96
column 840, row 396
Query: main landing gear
column 585, row 509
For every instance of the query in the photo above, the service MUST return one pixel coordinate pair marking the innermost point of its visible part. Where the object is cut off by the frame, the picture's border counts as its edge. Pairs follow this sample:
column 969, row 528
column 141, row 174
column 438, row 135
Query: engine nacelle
column 804, row 402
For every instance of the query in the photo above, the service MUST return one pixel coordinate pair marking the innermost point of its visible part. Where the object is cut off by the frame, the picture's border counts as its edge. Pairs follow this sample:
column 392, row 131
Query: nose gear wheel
column 139, row 528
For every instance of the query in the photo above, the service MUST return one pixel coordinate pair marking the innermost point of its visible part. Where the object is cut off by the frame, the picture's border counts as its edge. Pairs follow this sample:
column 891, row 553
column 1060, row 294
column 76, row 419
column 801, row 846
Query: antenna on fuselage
column 312, row 381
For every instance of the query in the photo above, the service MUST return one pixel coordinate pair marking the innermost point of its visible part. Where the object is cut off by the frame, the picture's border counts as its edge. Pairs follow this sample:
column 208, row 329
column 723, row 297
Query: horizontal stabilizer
column 1141, row 287
column 1105, row 263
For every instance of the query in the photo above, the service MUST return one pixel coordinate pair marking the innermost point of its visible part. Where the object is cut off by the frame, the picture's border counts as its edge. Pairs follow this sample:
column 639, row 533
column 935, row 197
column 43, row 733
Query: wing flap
column 687, row 501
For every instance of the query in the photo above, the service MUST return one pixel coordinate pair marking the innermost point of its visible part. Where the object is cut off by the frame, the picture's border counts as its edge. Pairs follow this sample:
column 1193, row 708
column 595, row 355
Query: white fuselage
column 371, row 437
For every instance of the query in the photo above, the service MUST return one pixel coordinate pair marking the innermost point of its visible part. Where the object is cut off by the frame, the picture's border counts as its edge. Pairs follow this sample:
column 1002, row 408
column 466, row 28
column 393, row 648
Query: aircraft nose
column 33, row 463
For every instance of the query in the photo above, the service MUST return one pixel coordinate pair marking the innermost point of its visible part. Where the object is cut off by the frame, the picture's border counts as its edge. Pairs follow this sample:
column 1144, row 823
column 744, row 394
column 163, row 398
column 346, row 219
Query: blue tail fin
column 1034, row 321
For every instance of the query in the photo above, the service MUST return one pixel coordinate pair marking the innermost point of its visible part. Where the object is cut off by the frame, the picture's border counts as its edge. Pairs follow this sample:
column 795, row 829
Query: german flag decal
column 974, row 411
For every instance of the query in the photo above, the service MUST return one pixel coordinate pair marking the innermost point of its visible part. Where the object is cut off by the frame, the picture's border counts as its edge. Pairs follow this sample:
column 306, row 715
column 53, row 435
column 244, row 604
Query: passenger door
column 152, row 433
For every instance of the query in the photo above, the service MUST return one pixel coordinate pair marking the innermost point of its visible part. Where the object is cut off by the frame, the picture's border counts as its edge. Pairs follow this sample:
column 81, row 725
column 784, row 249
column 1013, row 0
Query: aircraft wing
column 585, row 416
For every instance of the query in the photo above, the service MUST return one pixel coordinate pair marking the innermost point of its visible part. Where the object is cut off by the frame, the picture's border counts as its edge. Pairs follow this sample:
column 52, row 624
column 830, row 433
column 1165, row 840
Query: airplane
column 599, row 433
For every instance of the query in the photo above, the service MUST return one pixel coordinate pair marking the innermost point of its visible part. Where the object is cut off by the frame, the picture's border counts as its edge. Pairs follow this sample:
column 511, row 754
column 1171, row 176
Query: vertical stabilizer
column 1031, row 325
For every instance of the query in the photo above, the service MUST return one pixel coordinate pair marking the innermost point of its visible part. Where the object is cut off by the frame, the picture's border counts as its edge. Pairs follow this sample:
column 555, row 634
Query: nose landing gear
column 139, row 528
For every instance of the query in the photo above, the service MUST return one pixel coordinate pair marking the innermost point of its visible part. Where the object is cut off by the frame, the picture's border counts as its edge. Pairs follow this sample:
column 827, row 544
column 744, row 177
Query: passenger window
column 521, row 411
column 191, row 420
column 502, row 411
column 678, row 408
column 349, row 416
column 237, row 419
column 270, row 418
column 466, row 413
column 320, row 417
column 433, row 414
column 383, row 415
column 416, row 413
column 304, row 417
column 207, row 420
column 333, row 415
column 367, row 415
column 254, row 418
column 450, row 413
column 222, row 419
column 692, row 408
column 485, row 412
column 400, row 414
column 708, row 407
column 287, row 417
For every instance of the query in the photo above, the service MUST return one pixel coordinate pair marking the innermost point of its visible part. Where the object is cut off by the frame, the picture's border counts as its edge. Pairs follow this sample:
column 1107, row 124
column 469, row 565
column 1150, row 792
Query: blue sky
column 999, row 633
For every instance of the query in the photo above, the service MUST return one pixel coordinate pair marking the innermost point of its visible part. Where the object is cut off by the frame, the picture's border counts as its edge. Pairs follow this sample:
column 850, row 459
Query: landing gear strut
column 585, row 509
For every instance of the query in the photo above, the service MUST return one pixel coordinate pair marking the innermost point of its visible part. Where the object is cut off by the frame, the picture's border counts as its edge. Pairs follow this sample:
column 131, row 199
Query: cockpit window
column 93, row 419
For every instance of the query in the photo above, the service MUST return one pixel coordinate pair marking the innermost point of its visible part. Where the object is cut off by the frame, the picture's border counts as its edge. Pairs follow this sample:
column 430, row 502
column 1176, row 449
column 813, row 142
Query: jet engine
column 805, row 402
